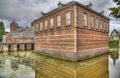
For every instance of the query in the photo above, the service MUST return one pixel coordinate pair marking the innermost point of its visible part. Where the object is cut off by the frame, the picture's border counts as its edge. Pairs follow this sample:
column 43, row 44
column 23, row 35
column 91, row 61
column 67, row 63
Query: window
column 51, row 23
column 46, row 24
column 85, row 21
column 97, row 23
column 58, row 21
column 92, row 22
column 107, row 28
column 101, row 25
column 41, row 26
column 36, row 27
column 104, row 25
column 68, row 18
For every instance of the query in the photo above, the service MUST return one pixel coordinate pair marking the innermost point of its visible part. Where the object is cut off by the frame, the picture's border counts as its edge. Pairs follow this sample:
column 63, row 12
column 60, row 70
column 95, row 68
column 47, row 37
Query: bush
column 113, row 43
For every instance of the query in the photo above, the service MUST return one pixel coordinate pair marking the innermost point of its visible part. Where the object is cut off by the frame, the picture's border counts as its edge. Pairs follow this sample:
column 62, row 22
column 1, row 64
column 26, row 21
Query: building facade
column 20, row 35
column 72, row 31
column 23, row 35
column 19, row 38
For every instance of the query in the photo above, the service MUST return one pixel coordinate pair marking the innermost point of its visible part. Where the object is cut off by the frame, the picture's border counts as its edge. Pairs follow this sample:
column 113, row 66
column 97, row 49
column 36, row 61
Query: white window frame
column 41, row 25
column 92, row 21
column 101, row 24
column 85, row 19
column 51, row 23
column 58, row 21
column 107, row 28
column 46, row 24
column 68, row 18
column 104, row 25
column 36, row 28
column 97, row 23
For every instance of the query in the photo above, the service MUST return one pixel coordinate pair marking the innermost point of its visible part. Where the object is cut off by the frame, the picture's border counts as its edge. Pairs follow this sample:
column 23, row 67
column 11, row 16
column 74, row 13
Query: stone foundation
column 73, row 56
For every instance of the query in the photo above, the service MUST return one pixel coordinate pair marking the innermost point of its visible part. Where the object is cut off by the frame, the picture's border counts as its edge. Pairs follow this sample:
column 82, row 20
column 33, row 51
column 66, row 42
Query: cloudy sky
column 25, row 11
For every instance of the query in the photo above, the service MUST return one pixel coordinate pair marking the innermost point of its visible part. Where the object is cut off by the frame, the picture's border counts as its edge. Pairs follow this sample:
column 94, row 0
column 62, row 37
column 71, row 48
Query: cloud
column 25, row 11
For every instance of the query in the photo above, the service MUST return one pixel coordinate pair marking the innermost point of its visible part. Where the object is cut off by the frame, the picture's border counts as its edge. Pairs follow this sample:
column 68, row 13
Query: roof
column 70, row 4
column 13, row 22
column 114, row 33
column 24, row 29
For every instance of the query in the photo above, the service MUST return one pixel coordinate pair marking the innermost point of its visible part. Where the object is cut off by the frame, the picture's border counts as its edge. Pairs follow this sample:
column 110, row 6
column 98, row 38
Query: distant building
column 23, row 35
column 72, row 31
column 115, row 35
column 20, row 35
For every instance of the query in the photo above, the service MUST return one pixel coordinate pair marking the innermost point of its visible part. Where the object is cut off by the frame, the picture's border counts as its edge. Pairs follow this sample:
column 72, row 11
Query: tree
column 115, row 11
column 32, row 24
column 2, row 31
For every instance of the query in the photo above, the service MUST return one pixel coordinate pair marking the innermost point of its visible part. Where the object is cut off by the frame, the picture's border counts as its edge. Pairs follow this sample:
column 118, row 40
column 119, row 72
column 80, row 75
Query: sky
column 25, row 11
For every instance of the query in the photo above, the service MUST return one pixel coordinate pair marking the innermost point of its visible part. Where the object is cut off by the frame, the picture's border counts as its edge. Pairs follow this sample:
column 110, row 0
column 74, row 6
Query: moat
column 26, row 64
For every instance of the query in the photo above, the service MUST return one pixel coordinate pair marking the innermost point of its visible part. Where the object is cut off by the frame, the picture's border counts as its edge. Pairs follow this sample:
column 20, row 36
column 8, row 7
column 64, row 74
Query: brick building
column 20, row 38
column 72, row 31
column 23, row 35
column 20, row 35
column 13, row 26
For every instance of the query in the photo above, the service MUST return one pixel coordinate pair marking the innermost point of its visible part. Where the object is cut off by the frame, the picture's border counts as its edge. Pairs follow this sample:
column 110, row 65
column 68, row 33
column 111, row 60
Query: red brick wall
column 60, row 40
column 91, row 39
column 8, row 38
column 87, row 37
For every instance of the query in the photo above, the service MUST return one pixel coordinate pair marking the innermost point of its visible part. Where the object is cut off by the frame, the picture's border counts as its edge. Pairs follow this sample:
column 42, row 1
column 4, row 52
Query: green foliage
column 2, row 30
column 32, row 24
column 6, row 32
column 113, row 43
column 117, row 1
column 115, row 11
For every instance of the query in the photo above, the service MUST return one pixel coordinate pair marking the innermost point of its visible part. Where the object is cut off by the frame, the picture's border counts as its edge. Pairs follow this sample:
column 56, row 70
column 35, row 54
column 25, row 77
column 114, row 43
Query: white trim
column 75, row 29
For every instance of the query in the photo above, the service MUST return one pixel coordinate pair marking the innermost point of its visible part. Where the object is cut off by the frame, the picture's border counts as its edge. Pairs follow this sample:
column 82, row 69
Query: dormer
column 89, row 5
column 42, row 13
column 60, row 4
column 102, row 12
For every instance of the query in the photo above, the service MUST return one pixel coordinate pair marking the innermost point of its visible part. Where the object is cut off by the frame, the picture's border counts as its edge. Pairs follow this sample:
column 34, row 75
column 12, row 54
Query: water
column 26, row 64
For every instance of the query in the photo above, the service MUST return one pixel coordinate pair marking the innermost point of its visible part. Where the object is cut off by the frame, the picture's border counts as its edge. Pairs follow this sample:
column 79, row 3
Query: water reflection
column 114, row 55
column 95, row 68
column 114, row 63
column 11, row 68
column 27, row 64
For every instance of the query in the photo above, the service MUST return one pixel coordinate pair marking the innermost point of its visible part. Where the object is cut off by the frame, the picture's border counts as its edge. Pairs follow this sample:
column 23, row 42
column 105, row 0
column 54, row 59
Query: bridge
column 17, row 46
